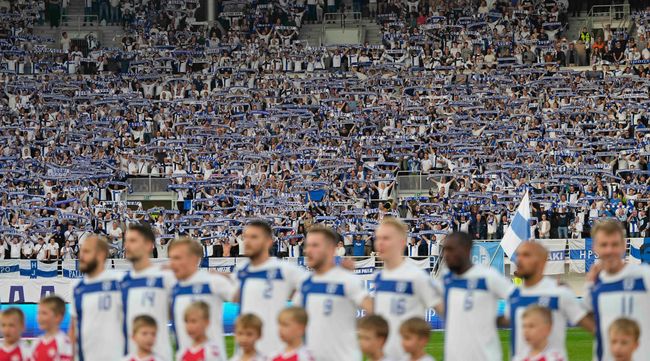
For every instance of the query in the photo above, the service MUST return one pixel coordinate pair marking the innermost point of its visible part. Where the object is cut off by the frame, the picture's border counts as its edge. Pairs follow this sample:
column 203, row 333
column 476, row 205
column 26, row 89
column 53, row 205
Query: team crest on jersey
column 471, row 284
column 628, row 284
column 400, row 287
column 196, row 289
column 51, row 352
column 106, row 285
column 151, row 281
column 544, row 301
column 271, row 274
column 331, row 288
column 15, row 358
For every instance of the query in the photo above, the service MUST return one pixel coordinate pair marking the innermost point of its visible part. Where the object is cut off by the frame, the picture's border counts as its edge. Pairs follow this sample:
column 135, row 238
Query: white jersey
column 625, row 294
column 423, row 358
column 134, row 357
column 331, row 301
column 97, row 305
column 562, row 302
column 209, row 351
column 471, row 299
column 212, row 289
column 239, row 356
column 549, row 354
column 301, row 354
column 402, row 293
column 148, row 293
column 264, row 291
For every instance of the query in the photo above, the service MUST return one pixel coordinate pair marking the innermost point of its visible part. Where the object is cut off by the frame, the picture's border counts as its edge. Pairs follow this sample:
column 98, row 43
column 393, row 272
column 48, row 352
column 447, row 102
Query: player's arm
column 588, row 323
column 368, row 305
column 72, row 334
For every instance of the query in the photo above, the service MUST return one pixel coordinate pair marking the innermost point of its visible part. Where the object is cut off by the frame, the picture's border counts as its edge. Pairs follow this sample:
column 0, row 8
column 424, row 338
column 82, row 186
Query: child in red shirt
column 292, row 322
column 54, row 345
column 12, row 322
column 197, row 320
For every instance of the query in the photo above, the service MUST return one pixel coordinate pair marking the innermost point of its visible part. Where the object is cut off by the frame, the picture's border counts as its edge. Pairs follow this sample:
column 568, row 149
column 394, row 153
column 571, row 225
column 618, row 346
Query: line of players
column 106, row 304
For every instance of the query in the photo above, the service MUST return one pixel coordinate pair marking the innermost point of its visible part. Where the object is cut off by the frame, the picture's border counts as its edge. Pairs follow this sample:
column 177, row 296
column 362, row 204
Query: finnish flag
column 519, row 229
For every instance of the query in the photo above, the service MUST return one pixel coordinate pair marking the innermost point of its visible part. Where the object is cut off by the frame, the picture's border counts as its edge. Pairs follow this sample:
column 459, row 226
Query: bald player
column 96, row 307
column 402, row 290
column 543, row 291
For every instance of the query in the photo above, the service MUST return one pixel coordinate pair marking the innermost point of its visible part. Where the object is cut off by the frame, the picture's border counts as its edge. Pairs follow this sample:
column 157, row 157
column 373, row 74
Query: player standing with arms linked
column 146, row 290
column 194, row 285
column 96, row 307
column 471, row 293
column 331, row 296
column 402, row 290
column 265, row 284
column 616, row 289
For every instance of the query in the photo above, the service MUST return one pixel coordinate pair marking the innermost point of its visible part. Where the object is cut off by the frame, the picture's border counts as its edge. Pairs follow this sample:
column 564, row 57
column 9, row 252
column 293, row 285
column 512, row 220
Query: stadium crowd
column 245, row 120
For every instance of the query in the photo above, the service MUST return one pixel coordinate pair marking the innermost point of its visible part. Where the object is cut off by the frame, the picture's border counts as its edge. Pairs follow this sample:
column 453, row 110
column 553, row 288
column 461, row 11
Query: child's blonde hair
column 416, row 326
column 54, row 303
column 144, row 321
column 16, row 312
column 198, row 306
column 543, row 312
column 627, row 327
column 297, row 314
column 249, row 321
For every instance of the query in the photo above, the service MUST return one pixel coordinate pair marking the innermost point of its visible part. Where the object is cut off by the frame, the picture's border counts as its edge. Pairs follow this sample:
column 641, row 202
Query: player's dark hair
column 374, row 323
column 261, row 224
column 464, row 239
column 145, row 230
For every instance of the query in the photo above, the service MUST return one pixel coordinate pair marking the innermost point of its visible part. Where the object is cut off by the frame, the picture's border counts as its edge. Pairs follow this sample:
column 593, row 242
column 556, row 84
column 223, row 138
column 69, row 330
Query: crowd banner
column 226, row 265
column 32, row 290
column 639, row 250
column 427, row 264
column 488, row 254
column 577, row 255
column 556, row 255
column 590, row 256
column 25, row 268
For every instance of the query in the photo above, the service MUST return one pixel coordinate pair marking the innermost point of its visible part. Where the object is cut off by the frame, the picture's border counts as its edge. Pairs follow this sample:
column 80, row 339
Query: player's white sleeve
column 571, row 307
column 64, row 346
column 586, row 298
column 294, row 274
column 354, row 290
column 499, row 285
column 224, row 287
column 427, row 291
column 73, row 304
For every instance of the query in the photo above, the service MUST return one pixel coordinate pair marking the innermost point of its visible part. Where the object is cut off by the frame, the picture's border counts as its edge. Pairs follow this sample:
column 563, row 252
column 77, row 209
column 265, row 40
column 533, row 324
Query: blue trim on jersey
column 82, row 289
column 243, row 275
column 320, row 288
column 125, row 296
column 178, row 290
column 391, row 286
column 451, row 282
column 516, row 301
column 599, row 287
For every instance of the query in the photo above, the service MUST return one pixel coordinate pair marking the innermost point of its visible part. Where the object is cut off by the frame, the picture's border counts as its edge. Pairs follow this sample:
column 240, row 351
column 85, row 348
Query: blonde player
column 402, row 290
column 537, row 324
column 265, row 284
column 292, row 324
column 331, row 297
column 12, row 325
column 146, row 290
column 97, row 305
column 202, row 348
column 196, row 285
column 616, row 289
column 624, row 339
column 145, row 330
column 54, row 345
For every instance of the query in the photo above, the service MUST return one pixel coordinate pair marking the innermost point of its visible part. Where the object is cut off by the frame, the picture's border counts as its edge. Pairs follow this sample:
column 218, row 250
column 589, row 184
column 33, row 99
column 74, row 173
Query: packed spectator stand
column 248, row 121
